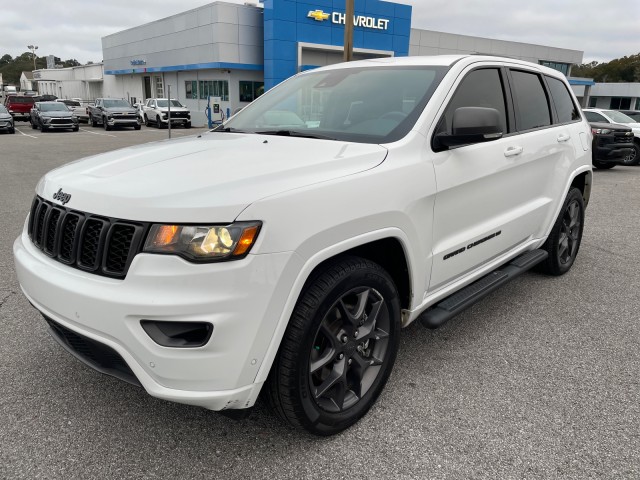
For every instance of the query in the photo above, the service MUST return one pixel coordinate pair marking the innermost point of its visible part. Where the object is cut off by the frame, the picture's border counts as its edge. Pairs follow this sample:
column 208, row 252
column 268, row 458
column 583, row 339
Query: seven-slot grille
column 101, row 245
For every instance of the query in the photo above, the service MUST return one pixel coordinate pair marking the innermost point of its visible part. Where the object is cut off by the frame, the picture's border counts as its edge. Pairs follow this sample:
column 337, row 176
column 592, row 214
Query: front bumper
column 6, row 124
column 236, row 297
column 123, row 122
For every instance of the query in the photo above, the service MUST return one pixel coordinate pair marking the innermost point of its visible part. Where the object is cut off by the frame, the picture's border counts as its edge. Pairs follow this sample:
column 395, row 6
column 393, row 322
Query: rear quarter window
column 566, row 109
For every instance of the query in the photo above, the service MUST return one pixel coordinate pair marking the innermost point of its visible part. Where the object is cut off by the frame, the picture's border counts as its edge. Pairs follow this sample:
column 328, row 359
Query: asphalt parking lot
column 540, row 380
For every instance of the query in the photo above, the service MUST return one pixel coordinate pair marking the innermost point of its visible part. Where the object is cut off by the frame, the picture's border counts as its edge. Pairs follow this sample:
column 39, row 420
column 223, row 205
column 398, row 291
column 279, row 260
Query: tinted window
column 480, row 88
column 532, row 108
column 595, row 117
column 565, row 108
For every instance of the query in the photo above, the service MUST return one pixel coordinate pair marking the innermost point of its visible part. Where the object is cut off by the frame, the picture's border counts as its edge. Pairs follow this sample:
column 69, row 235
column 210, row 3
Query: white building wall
column 428, row 42
column 83, row 82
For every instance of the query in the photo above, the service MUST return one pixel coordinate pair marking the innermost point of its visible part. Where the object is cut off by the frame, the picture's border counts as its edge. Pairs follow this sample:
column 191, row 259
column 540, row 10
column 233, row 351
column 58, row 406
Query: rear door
column 493, row 196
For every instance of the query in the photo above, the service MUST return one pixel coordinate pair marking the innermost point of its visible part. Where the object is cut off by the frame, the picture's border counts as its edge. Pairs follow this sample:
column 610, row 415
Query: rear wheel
column 563, row 242
column 339, row 348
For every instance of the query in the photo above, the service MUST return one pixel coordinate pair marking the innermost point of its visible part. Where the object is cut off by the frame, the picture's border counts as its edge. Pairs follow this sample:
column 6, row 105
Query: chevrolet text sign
column 358, row 20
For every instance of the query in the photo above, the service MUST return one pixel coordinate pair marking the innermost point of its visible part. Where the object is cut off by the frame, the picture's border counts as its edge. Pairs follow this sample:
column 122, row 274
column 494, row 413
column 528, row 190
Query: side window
column 480, row 88
column 565, row 108
column 532, row 106
column 595, row 117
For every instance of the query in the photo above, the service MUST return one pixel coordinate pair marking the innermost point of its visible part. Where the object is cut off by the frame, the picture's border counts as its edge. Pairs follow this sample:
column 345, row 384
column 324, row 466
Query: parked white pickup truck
column 76, row 107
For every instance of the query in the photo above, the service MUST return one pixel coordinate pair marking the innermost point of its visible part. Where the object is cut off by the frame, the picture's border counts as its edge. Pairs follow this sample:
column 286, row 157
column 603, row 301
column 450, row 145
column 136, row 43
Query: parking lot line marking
column 96, row 133
column 22, row 133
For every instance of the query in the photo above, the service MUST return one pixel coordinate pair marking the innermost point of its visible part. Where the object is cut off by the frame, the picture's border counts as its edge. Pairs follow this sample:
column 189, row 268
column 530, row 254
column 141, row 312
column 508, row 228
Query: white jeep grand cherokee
column 284, row 251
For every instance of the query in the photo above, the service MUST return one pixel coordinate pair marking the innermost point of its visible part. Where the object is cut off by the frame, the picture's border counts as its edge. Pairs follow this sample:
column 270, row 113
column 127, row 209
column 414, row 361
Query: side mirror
column 472, row 125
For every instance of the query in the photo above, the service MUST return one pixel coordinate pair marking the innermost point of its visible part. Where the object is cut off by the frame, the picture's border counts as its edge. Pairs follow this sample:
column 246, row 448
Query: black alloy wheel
column 634, row 157
column 563, row 242
column 339, row 348
column 348, row 350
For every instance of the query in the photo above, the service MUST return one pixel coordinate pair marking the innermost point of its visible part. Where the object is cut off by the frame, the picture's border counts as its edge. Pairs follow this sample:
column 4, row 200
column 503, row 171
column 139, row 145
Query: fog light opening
column 178, row 334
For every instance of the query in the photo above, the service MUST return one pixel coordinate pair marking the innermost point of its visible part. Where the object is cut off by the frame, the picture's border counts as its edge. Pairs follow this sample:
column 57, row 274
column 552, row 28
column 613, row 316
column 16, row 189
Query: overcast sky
column 602, row 29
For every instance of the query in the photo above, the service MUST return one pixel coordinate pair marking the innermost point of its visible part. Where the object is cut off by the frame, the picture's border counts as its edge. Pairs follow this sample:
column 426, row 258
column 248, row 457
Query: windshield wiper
column 220, row 128
column 294, row 133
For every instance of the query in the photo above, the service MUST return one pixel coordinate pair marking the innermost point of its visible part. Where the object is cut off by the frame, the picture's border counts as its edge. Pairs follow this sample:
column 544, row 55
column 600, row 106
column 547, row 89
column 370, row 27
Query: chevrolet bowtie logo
column 318, row 15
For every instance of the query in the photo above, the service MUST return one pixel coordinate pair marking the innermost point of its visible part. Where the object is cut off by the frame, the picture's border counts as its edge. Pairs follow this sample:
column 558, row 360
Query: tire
column 146, row 121
column 603, row 165
column 92, row 122
column 345, row 325
column 563, row 242
column 187, row 125
column 158, row 122
column 76, row 129
column 137, row 127
column 106, row 126
column 634, row 157
column 33, row 125
column 12, row 130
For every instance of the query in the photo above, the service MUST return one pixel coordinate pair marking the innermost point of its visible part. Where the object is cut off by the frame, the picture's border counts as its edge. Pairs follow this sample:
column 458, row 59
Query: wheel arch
column 383, row 247
column 582, row 181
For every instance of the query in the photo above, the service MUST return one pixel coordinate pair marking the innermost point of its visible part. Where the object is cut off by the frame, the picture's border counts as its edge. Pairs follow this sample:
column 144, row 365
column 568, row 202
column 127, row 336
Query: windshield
column 618, row 117
column 53, row 107
column 116, row 103
column 366, row 105
column 71, row 103
column 164, row 103
column 20, row 100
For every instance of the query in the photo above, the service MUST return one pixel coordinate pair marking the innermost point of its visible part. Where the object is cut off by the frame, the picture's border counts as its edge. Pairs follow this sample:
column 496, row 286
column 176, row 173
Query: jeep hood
column 208, row 178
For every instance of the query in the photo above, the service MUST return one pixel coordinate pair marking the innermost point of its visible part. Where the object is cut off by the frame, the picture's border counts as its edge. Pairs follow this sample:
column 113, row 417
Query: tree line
column 11, row 68
column 625, row 69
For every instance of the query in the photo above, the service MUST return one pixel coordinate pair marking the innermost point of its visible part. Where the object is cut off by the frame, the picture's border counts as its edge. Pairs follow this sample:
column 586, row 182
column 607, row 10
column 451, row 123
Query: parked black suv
column 612, row 145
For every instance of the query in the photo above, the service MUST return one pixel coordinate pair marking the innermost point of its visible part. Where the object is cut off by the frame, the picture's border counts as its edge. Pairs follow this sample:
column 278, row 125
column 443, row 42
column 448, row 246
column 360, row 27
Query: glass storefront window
column 214, row 88
column 249, row 91
column 191, row 89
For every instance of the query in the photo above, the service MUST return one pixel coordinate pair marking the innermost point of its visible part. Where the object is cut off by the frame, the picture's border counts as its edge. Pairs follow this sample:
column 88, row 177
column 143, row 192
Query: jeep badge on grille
column 62, row 197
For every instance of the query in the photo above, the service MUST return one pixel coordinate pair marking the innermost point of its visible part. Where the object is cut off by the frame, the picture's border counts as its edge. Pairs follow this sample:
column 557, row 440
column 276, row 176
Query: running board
column 463, row 299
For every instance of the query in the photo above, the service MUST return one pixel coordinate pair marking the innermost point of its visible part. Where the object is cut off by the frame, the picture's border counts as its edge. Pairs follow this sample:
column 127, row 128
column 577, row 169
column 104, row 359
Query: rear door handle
column 512, row 151
column 563, row 137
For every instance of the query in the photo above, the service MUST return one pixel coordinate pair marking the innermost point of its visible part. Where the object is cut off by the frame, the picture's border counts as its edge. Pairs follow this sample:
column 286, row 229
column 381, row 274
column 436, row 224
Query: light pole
column 33, row 49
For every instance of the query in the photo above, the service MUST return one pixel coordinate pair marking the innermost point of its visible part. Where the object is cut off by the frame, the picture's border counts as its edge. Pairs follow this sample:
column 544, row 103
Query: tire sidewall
column 560, row 268
column 326, row 422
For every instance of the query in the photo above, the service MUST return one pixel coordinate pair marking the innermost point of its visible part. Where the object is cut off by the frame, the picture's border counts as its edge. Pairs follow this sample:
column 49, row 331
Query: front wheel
column 339, row 348
column 603, row 165
column 106, row 125
column 634, row 157
column 563, row 242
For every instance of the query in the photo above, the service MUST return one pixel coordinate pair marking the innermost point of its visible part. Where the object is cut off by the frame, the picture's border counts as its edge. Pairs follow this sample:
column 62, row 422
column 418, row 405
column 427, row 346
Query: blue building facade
column 292, row 27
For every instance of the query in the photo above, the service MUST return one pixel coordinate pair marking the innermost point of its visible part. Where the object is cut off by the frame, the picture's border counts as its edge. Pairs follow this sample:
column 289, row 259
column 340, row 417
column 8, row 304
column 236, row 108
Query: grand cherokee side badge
column 62, row 197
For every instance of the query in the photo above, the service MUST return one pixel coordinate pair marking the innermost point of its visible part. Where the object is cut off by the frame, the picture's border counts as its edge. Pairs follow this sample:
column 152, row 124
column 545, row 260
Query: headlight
column 601, row 131
column 203, row 243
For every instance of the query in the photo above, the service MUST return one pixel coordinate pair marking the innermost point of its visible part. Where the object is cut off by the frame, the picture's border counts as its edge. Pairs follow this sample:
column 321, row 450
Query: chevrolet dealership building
column 235, row 52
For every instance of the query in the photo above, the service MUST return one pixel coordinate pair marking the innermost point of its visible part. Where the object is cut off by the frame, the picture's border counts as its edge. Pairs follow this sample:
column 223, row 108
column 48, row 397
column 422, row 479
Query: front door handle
column 512, row 151
column 563, row 137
